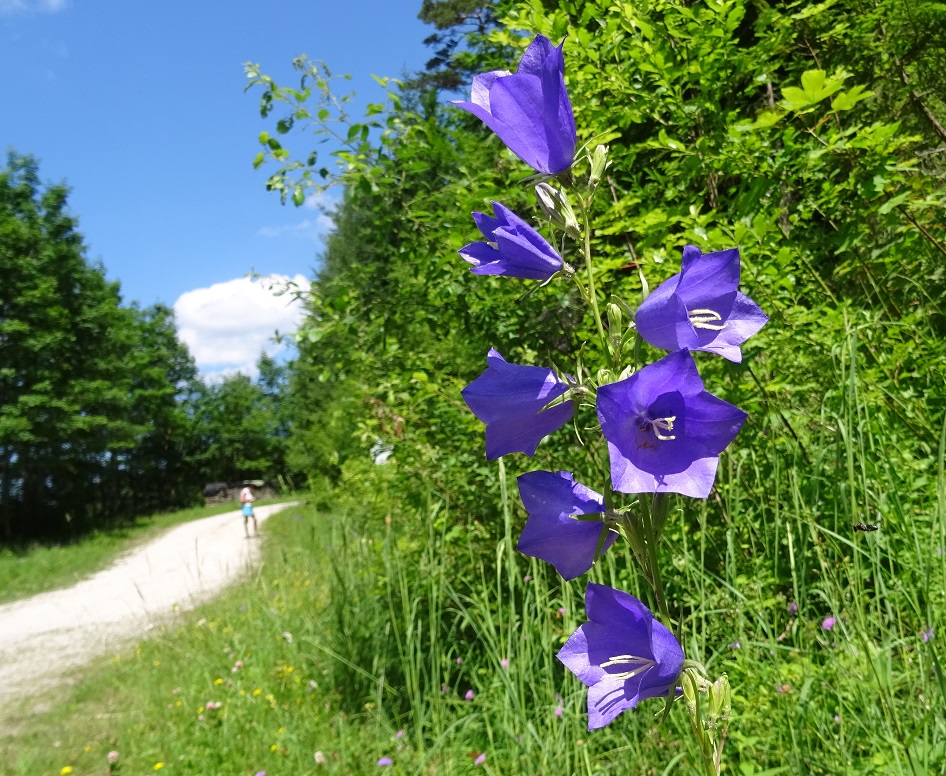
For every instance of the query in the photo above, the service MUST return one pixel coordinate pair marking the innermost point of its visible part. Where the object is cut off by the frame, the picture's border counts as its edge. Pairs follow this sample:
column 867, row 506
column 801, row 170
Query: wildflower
column 385, row 761
column 510, row 399
column 480, row 760
column 793, row 608
column 927, row 634
column 66, row 770
column 784, row 688
column 319, row 758
column 468, row 696
column 552, row 533
column 399, row 734
column 444, row 688
column 512, row 248
column 459, row 661
column 700, row 308
column 664, row 431
column 504, row 663
column 828, row 623
column 837, row 717
column 527, row 578
column 112, row 758
column 261, row 773
column 735, row 645
column 158, row 766
column 623, row 655
column 529, row 111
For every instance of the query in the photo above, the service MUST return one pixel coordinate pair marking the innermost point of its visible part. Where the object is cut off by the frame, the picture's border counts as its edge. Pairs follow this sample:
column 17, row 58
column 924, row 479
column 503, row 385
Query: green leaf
column 258, row 160
column 847, row 100
column 893, row 202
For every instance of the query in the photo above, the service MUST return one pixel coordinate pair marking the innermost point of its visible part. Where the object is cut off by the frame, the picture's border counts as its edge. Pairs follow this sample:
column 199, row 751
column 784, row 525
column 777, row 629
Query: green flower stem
column 590, row 295
column 652, row 569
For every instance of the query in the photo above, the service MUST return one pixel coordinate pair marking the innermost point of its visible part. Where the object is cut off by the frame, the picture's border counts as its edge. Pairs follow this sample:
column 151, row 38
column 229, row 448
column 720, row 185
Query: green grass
column 377, row 618
column 38, row 568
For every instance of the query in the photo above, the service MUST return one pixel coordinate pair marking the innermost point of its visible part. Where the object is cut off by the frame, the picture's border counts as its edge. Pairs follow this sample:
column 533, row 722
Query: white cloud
column 309, row 228
column 313, row 228
column 228, row 325
column 31, row 6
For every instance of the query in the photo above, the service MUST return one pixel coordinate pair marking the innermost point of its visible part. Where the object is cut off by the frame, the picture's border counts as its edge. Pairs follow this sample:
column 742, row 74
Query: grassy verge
column 368, row 638
column 37, row 568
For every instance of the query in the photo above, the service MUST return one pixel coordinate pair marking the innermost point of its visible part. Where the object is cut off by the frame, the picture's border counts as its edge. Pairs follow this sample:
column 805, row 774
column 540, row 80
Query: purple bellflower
column 700, row 308
column 623, row 655
column 552, row 533
column 512, row 248
column 510, row 399
column 529, row 111
column 664, row 431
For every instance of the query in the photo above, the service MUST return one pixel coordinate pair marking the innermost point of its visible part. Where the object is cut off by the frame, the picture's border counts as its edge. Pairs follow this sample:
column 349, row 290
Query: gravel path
column 44, row 636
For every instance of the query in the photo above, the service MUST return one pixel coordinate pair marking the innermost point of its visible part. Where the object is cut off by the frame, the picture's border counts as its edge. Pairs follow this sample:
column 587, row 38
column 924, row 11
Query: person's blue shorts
column 247, row 510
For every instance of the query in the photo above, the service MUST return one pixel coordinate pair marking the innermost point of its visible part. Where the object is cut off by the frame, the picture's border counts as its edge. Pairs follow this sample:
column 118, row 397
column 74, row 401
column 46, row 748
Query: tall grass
column 375, row 619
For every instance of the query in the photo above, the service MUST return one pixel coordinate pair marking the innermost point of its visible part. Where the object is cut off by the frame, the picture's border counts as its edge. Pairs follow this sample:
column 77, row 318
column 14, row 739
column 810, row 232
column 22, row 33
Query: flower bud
column 615, row 319
column 720, row 700
column 555, row 205
column 599, row 163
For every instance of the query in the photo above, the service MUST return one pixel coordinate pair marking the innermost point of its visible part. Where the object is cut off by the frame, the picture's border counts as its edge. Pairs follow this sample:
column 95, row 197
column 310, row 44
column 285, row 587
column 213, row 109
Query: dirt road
column 44, row 636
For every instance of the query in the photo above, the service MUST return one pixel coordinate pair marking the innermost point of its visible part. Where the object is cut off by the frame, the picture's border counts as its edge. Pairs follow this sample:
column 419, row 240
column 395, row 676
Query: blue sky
column 140, row 108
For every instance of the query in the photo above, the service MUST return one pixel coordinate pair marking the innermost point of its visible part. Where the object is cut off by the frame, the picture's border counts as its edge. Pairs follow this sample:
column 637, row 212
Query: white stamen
column 663, row 424
column 640, row 664
column 706, row 319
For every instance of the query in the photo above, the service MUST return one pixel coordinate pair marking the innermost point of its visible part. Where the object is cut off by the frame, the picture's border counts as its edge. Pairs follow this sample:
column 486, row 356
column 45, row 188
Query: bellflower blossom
column 700, row 308
column 512, row 248
column 529, row 111
column 510, row 399
column 623, row 655
column 552, row 533
column 664, row 431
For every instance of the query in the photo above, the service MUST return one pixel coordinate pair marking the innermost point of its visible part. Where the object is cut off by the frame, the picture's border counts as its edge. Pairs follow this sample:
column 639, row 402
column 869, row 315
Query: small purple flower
column 793, row 608
column 504, row 664
column 552, row 533
column 927, row 634
column 664, row 431
column 469, row 695
column 735, row 645
column 529, row 111
column 480, row 760
column 459, row 661
column 700, row 308
column 511, row 399
column 623, row 655
column 399, row 734
column 384, row 761
column 828, row 623
column 512, row 248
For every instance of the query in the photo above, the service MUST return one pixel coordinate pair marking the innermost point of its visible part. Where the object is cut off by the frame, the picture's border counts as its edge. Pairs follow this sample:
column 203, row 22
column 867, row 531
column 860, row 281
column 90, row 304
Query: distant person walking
column 246, row 500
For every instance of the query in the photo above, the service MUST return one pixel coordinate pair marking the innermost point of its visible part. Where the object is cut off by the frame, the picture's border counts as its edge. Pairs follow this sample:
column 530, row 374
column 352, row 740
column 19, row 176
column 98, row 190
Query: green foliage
column 243, row 425
column 90, row 427
column 809, row 136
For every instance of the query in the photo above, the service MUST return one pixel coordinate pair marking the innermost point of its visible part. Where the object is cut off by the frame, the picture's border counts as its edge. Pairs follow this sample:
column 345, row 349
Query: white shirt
column 246, row 495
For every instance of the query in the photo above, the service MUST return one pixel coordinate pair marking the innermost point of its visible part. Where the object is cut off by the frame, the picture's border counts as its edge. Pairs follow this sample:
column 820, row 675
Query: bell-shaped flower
column 700, row 308
column 529, row 110
column 552, row 532
column 623, row 655
column 511, row 400
column 664, row 431
column 512, row 248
